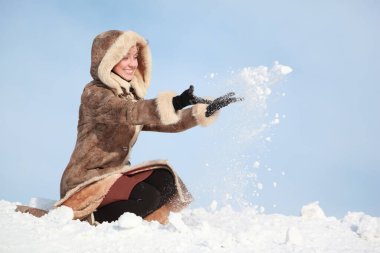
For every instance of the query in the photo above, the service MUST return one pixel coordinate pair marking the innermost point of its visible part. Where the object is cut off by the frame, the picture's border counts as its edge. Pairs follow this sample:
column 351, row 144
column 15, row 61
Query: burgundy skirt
column 122, row 188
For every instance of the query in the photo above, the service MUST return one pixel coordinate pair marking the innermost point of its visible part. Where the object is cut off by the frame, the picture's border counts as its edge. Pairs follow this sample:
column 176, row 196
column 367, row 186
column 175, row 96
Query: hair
column 137, row 47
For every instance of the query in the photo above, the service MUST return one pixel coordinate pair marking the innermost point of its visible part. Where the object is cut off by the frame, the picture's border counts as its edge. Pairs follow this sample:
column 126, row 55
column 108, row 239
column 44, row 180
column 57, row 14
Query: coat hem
column 184, row 197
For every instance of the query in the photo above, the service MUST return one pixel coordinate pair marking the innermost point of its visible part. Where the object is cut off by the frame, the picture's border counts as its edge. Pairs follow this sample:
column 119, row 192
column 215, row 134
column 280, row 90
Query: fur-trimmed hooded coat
column 112, row 113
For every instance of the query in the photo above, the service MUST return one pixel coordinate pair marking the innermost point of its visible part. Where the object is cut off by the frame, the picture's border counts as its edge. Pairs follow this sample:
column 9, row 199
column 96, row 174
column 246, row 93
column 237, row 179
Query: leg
column 144, row 199
column 163, row 181
column 113, row 211
column 147, row 199
column 161, row 215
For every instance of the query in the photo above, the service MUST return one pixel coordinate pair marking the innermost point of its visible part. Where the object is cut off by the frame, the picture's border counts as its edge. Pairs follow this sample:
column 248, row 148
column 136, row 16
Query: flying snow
column 247, row 132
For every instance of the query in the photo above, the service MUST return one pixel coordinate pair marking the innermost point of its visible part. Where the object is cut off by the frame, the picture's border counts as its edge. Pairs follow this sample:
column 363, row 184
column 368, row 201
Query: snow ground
column 209, row 229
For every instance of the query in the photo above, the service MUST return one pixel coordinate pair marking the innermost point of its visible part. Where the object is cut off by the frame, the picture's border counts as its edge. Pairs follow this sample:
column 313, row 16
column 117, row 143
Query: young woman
column 99, row 181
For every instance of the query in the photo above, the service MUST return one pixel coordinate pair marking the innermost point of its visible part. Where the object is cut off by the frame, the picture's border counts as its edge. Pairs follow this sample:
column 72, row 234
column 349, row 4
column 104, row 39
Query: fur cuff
column 165, row 108
column 199, row 111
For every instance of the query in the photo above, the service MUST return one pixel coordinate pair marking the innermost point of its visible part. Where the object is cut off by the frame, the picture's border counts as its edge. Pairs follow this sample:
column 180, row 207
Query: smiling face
column 127, row 66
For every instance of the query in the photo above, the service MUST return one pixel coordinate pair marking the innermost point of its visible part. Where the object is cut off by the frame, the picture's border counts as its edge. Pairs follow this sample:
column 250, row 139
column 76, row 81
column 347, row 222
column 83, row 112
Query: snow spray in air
column 243, row 135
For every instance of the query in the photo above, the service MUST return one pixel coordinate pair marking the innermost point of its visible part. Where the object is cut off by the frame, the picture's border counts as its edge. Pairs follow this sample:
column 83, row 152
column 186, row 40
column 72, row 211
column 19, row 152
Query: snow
column 245, row 166
column 210, row 229
column 259, row 82
column 364, row 225
column 293, row 236
column 312, row 211
column 129, row 221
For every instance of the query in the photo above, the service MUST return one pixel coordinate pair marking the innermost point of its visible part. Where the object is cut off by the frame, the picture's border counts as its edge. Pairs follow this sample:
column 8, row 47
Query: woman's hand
column 186, row 98
column 221, row 102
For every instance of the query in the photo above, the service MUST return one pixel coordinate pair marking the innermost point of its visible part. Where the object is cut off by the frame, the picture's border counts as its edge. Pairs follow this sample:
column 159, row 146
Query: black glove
column 186, row 98
column 221, row 102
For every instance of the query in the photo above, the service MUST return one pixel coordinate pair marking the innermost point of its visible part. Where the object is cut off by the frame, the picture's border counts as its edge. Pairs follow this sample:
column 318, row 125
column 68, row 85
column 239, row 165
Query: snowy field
column 212, row 229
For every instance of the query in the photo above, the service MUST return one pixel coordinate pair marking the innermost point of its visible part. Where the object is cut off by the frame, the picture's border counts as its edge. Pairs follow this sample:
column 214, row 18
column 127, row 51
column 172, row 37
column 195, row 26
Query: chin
column 128, row 78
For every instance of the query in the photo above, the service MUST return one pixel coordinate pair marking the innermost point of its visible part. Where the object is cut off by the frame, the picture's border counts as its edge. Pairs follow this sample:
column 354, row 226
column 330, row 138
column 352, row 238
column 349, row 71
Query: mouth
column 129, row 71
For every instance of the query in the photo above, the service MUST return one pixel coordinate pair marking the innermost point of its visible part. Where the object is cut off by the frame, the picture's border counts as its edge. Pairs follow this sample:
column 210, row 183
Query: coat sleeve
column 157, row 114
column 188, row 118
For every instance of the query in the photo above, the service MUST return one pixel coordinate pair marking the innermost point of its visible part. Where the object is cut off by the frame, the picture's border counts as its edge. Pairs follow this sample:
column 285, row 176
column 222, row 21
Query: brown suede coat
column 112, row 113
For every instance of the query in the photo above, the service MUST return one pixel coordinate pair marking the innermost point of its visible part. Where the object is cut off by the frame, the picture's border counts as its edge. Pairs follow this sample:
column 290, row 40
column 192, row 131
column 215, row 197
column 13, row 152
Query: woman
column 99, row 181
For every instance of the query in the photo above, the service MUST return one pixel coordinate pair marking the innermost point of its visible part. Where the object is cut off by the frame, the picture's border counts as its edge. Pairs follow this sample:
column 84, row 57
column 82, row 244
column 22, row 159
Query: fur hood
column 108, row 49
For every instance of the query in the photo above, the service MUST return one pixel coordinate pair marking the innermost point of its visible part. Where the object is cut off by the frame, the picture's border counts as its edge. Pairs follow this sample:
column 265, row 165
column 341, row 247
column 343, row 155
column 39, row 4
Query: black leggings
column 146, row 197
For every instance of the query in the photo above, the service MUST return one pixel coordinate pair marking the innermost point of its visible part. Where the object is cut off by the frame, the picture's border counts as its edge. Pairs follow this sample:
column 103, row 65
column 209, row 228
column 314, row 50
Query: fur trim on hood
column 108, row 49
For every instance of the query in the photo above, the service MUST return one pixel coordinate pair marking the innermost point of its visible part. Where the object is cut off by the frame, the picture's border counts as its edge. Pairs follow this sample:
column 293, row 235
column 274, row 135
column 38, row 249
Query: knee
column 155, row 200
column 147, row 196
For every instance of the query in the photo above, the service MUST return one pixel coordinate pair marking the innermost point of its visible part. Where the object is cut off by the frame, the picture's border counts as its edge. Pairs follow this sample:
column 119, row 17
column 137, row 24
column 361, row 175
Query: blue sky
column 328, row 145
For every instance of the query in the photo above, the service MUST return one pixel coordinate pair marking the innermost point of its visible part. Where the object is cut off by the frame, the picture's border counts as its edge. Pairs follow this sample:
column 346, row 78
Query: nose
column 133, row 63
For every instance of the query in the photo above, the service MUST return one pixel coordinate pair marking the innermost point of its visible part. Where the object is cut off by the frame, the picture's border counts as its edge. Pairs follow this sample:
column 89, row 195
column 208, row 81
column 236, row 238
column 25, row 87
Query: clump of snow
column 61, row 215
column 369, row 227
column 276, row 119
column 129, row 221
column 312, row 211
column 213, row 205
column 256, row 164
column 365, row 226
column 193, row 230
column 281, row 69
column 259, row 81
